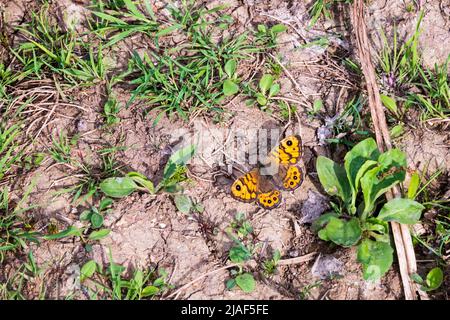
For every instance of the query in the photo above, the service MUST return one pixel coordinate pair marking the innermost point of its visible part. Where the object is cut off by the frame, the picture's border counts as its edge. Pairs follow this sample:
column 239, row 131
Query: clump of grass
column 8, row 147
column 191, row 81
column 49, row 49
column 7, row 78
column 399, row 64
column 14, row 229
column 193, row 77
column 434, row 95
column 408, row 84
column 89, row 178
column 322, row 8
column 116, row 20
column 110, row 282
column 437, row 240
column 28, row 274
column 61, row 148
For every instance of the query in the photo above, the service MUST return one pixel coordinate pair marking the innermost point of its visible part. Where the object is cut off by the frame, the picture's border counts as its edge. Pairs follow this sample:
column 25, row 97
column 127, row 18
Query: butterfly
column 264, row 189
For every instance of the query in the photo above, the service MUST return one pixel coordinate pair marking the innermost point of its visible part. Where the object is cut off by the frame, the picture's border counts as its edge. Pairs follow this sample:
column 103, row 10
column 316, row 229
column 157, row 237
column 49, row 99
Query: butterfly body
column 278, row 172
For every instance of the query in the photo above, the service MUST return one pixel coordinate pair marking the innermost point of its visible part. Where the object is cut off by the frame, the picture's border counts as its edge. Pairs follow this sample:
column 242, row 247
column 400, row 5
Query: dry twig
column 402, row 236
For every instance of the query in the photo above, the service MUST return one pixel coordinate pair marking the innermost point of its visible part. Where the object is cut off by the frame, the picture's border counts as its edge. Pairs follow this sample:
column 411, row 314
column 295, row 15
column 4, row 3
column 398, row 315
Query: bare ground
column 148, row 230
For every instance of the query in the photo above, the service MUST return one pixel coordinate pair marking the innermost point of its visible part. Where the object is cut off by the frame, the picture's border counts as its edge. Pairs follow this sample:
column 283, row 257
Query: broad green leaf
column 274, row 89
column 392, row 158
column 397, row 131
column 357, row 161
column 343, row 233
column 230, row 88
column 413, row 185
column 118, row 187
column 100, row 234
column 373, row 188
column 96, row 220
column 85, row 215
column 230, row 284
column 181, row 157
column 376, row 258
column 401, row 210
column 149, row 291
column 369, row 164
column 239, row 254
column 434, row 279
column 261, row 99
column 230, row 68
column 246, row 282
column 317, row 105
column 278, row 28
column 377, row 229
column 265, row 83
column 333, row 178
column 183, row 203
column 106, row 202
column 323, row 235
column 142, row 180
column 88, row 270
column 389, row 103
column 70, row 231
column 322, row 221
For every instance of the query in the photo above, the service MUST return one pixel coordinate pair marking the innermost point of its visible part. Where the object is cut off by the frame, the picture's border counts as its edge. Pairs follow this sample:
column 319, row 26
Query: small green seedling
column 266, row 90
column 433, row 281
column 230, row 85
column 33, row 160
column 174, row 174
column 14, row 230
column 397, row 131
column 270, row 265
column 268, row 36
column 241, row 226
column 61, row 147
column 8, row 147
column 186, row 205
column 317, row 107
column 111, row 109
column 240, row 253
column 390, row 104
column 244, row 280
column 359, row 185
column 323, row 8
column 96, row 215
column 143, row 284
column 305, row 292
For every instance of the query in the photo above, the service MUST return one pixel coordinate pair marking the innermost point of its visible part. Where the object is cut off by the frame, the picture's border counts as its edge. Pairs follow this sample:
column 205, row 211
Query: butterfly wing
column 269, row 200
column 288, row 151
column 254, row 187
column 281, row 164
column 288, row 177
column 264, row 189
column 245, row 188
